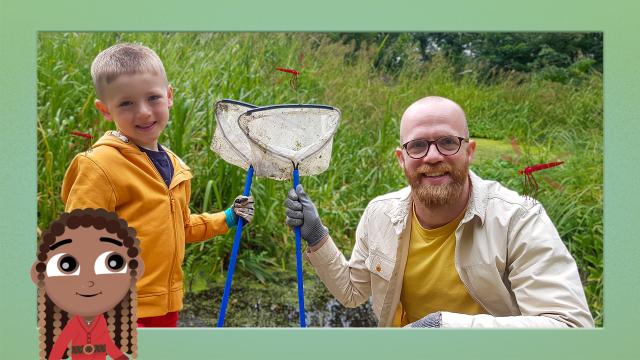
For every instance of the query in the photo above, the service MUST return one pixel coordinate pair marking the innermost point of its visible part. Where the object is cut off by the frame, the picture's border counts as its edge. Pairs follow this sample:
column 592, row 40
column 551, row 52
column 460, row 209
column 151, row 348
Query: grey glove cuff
column 433, row 320
column 315, row 233
column 302, row 212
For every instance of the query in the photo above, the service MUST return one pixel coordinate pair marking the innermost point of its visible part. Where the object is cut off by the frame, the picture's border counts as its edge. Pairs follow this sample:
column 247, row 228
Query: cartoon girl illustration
column 86, row 271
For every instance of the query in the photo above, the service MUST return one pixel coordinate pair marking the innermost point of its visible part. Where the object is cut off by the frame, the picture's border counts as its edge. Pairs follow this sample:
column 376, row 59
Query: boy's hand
column 302, row 212
column 243, row 207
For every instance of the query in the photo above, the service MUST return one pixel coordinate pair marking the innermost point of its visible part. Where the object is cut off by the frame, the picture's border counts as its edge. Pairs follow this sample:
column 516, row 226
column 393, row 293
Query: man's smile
column 435, row 177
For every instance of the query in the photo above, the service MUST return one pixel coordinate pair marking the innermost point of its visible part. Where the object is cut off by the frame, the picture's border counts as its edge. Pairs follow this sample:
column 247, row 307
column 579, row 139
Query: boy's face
column 139, row 105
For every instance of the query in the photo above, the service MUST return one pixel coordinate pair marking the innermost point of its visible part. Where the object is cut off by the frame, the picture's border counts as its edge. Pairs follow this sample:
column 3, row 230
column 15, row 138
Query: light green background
column 21, row 20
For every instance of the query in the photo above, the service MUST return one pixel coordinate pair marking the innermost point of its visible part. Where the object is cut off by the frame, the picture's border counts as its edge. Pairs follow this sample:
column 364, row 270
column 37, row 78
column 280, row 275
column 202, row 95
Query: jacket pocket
column 381, row 269
column 379, row 265
column 486, row 285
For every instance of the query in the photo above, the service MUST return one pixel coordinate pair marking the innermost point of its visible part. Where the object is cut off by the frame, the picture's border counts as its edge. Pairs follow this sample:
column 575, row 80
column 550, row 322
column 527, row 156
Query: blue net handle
column 234, row 253
column 296, row 181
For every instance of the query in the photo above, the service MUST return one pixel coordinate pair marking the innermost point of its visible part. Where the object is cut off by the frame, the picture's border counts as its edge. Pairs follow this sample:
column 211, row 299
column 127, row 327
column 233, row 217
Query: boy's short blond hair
column 121, row 59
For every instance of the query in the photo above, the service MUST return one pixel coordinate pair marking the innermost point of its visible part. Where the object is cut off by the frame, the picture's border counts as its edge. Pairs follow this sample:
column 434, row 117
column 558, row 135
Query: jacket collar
column 478, row 200
column 118, row 140
column 399, row 212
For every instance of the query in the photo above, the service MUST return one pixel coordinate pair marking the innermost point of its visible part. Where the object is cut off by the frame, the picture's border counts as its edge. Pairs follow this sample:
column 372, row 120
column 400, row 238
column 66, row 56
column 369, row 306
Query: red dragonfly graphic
column 530, row 185
column 294, row 76
column 88, row 138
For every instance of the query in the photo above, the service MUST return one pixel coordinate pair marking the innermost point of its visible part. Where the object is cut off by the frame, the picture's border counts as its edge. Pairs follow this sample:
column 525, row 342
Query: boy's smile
column 139, row 105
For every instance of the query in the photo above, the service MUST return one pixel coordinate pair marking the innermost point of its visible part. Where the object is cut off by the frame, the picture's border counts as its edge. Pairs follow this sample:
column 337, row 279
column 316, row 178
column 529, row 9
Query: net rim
column 237, row 102
column 293, row 106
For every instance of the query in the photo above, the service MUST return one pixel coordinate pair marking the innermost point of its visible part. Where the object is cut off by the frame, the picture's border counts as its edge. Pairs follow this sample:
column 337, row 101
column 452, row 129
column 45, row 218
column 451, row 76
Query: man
column 452, row 249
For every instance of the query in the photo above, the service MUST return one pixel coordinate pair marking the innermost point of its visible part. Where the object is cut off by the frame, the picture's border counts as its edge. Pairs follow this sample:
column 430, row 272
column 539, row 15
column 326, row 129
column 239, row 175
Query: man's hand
column 243, row 207
column 433, row 320
column 302, row 212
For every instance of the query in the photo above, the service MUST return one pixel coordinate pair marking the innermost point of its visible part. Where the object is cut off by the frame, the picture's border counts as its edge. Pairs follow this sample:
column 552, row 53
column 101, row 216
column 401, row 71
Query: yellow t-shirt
column 431, row 282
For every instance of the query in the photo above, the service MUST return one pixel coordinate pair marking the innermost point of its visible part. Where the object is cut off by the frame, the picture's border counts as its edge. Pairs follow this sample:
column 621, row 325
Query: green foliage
column 550, row 120
column 555, row 55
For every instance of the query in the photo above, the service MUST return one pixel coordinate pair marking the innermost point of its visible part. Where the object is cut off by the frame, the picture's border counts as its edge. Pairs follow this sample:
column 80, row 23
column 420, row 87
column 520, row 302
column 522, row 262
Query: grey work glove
column 243, row 207
column 302, row 212
column 433, row 320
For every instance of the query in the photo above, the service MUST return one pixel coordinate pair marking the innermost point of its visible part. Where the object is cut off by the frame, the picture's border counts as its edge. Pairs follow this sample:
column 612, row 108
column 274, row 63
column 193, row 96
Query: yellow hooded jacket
column 115, row 175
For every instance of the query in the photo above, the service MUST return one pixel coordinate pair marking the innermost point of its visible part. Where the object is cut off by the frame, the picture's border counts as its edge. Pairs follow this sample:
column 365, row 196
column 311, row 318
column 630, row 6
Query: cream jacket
column 508, row 255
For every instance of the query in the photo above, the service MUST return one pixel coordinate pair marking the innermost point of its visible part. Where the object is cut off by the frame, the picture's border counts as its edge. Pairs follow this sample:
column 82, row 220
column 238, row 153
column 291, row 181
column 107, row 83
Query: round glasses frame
column 435, row 142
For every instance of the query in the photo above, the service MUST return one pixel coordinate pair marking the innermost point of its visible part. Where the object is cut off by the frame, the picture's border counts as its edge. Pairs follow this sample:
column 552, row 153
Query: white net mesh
column 282, row 135
column 228, row 140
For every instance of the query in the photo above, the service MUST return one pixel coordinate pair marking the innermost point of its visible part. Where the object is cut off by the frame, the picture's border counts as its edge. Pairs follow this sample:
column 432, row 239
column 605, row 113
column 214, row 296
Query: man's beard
column 437, row 195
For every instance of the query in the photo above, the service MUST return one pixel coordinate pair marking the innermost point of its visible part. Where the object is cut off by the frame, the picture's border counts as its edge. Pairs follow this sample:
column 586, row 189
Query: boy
column 128, row 172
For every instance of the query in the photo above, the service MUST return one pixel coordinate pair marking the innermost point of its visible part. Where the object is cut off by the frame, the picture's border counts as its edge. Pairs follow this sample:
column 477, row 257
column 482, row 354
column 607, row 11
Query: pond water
column 272, row 306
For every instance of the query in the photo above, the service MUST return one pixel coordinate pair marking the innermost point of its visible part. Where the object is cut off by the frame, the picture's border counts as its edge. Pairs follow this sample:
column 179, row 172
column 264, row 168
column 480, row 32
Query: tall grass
column 550, row 121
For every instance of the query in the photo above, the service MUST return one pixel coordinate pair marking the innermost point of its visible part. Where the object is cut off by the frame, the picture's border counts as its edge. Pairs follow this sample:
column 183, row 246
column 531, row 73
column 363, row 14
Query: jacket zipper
column 173, row 225
column 175, row 249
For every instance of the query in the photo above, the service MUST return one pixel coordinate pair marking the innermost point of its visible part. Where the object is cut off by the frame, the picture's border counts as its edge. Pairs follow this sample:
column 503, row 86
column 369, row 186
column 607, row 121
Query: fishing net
column 233, row 146
column 288, row 141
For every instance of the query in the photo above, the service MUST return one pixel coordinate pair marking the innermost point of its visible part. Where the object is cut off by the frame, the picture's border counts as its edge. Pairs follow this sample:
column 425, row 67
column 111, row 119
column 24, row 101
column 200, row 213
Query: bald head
column 433, row 112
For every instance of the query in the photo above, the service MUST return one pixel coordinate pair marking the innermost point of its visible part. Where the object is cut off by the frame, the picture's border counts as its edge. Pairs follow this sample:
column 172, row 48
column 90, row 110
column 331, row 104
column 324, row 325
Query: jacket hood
column 117, row 140
column 114, row 139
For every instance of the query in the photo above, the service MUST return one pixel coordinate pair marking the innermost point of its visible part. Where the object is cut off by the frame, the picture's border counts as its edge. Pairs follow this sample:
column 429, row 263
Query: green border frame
column 21, row 20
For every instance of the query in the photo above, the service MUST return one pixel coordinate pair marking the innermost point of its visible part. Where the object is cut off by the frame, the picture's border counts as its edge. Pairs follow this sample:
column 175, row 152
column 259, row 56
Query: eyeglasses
column 446, row 145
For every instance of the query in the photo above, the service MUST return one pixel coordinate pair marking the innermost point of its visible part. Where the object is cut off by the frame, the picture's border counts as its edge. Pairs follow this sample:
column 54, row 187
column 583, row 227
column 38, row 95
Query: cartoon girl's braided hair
column 121, row 320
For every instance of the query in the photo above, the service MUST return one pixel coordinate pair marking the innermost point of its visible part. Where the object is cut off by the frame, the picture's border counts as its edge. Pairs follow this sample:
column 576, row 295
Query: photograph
column 137, row 122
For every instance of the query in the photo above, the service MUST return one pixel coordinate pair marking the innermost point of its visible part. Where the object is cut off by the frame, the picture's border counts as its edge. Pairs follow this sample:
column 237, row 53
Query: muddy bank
column 257, row 305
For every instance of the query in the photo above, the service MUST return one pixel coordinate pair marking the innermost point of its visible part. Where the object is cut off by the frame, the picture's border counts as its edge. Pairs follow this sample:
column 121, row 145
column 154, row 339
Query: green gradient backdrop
column 21, row 20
